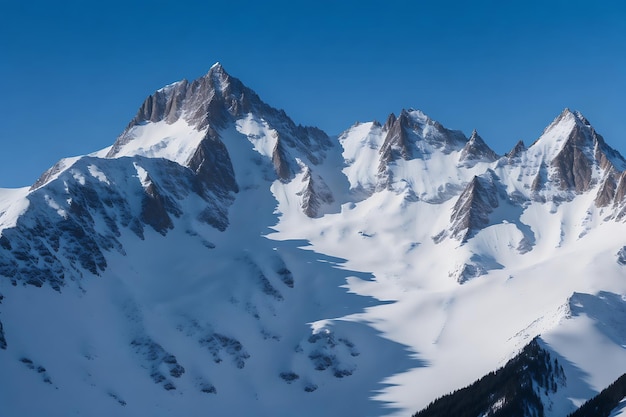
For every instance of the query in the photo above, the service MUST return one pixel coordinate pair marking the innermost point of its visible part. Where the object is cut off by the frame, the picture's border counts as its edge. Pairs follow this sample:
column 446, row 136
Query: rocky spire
column 471, row 211
column 476, row 150
column 396, row 144
column 517, row 150
column 575, row 152
column 390, row 121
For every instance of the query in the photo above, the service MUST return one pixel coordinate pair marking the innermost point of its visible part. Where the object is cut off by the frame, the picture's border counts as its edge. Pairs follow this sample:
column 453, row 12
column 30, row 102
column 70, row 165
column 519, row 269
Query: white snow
column 176, row 142
column 361, row 144
column 259, row 133
column 463, row 332
column 142, row 174
column 13, row 203
column 55, row 206
column 79, row 177
column 96, row 173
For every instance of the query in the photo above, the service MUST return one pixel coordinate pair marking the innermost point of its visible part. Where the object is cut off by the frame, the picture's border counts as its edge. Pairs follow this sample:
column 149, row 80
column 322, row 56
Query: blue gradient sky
column 73, row 73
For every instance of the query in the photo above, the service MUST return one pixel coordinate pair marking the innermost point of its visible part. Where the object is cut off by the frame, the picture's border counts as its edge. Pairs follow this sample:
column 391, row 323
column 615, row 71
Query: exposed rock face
column 315, row 194
column 219, row 344
column 281, row 162
column 415, row 135
column 517, row 150
column 159, row 362
column 620, row 192
column 474, row 267
column 37, row 368
column 213, row 167
column 613, row 188
column 214, row 102
column 55, row 240
column 59, row 237
column 573, row 166
column 582, row 159
column 209, row 100
column 323, row 350
column 607, row 192
column 472, row 209
column 153, row 209
column 540, row 180
column 476, row 150
column 396, row 144
column 391, row 119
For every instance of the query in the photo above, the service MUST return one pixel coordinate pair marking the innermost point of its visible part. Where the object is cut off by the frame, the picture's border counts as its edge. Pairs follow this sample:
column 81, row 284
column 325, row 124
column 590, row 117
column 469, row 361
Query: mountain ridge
column 217, row 241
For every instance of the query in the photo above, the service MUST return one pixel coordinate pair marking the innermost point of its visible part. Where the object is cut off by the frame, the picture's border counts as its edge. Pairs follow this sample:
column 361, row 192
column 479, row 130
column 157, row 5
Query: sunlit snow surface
column 13, row 203
column 370, row 287
column 174, row 141
column 463, row 332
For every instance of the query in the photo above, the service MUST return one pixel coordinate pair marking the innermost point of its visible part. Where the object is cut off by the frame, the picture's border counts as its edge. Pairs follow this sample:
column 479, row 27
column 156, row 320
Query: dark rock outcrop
column 573, row 165
column 159, row 362
column 214, row 102
column 396, row 144
column 414, row 135
column 325, row 355
column 607, row 191
column 471, row 211
column 583, row 160
column 474, row 267
column 517, row 150
column 280, row 162
column 153, row 209
column 76, row 218
column 476, row 150
column 315, row 195
column 513, row 390
column 217, row 343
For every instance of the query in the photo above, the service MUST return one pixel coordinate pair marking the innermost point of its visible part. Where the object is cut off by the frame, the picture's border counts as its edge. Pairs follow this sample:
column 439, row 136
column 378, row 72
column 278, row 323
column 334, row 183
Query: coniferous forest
column 511, row 391
column 604, row 403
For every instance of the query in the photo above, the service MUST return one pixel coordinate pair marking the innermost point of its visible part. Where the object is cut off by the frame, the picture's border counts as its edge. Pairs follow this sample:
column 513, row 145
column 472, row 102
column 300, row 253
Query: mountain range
column 219, row 258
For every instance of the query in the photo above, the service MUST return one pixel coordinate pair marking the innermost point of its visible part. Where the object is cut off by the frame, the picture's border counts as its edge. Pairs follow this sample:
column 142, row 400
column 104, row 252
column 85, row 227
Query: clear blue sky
column 73, row 73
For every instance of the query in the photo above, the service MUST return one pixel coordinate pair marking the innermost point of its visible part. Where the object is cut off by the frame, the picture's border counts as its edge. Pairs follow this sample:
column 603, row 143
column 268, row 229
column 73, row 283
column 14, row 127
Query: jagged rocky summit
column 217, row 251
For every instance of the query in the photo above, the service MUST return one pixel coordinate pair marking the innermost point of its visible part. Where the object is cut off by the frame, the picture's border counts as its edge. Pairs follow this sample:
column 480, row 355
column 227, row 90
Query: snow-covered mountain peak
column 557, row 132
column 569, row 127
column 413, row 134
column 217, row 68
column 189, row 122
column 213, row 100
column 517, row 150
column 476, row 150
column 171, row 87
column 175, row 120
column 568, row 159
column 417, row 116
column 425, row 127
